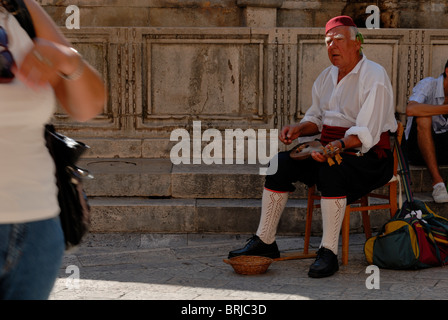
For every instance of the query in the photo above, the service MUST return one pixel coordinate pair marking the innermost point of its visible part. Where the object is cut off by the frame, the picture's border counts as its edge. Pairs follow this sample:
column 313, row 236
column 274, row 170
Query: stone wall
column 411, row 14
column 240, row 64
column 229, row 64
column 160, row 79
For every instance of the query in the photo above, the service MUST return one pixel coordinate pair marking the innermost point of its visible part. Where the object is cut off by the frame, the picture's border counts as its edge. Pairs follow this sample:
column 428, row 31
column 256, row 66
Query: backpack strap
column 404, row 171
column 20, row 11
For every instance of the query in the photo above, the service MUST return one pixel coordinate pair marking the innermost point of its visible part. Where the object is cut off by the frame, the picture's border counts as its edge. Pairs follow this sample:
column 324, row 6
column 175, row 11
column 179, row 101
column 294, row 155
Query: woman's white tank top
column 28, row 189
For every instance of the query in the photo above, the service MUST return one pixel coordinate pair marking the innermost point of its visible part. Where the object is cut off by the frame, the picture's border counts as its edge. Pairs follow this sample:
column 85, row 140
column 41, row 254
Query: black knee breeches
column 354, row 177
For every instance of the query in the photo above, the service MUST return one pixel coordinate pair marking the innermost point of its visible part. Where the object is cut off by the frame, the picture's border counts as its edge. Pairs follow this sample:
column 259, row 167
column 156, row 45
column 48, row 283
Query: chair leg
column 393, row 199
column 345, row 235
column 366, row 218
column 309, row 218
column 305, row 254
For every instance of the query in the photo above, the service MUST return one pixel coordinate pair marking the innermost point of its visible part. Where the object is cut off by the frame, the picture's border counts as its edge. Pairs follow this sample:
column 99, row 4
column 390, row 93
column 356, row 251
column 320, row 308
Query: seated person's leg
column 333, row 203
column 274, row 198
column 410, row 146
column 424, row 147
column 340, row 185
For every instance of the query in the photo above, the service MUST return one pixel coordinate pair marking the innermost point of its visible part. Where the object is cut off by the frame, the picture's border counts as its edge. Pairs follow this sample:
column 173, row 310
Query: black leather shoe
column 256, row 247
column 325, row 265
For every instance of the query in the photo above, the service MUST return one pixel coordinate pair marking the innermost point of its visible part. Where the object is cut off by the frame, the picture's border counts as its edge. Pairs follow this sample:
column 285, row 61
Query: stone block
column 243, row 215
column 112, row 148
column 216, row 181
column 260, row 3
column 128, row 177
column 258, row 17
column 195, row 17
column 156, row 148
column 143, row 215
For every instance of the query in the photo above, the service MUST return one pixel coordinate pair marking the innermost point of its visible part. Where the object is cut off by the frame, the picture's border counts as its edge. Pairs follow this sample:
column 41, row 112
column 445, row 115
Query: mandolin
column 304, row 150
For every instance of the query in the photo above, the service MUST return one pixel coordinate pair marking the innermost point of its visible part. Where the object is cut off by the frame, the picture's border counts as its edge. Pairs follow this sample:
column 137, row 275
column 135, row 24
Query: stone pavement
column 190, row 268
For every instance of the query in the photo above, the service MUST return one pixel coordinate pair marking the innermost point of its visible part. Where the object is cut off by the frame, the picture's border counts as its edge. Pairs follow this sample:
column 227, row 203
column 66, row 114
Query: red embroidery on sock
column 340, row 197
column 276, row 191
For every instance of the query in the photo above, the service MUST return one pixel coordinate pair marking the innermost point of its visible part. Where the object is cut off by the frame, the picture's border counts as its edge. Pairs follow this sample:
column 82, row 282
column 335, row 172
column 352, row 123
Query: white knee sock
column 333, row 211
column 272, row 205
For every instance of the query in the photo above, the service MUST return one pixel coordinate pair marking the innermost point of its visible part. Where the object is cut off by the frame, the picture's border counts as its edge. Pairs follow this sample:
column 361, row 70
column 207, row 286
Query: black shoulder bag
column 73, row 202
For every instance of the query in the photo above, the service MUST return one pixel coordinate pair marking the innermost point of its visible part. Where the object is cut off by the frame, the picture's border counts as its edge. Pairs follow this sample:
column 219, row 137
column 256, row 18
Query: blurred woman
column 35, row 75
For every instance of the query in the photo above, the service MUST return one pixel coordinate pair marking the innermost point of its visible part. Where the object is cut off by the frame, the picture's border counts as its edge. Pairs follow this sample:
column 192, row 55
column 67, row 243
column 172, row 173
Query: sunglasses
column 6, row 59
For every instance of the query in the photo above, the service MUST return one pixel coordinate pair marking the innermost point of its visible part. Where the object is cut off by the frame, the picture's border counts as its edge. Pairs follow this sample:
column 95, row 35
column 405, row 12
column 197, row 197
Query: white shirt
column 429, row 91
column 28, row 189
column 362, row 101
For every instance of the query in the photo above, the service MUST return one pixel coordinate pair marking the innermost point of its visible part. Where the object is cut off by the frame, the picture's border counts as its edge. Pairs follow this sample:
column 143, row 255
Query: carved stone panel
column 100, row 49
column 312, row 60
column 437, row 51
column 215, row 76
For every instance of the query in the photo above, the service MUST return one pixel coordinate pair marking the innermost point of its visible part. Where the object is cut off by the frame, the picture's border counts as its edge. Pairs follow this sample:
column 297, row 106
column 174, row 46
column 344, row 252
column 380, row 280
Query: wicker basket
column 249, row 265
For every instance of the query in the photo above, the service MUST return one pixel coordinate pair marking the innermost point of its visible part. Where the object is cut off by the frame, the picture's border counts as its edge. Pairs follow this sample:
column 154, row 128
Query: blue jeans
column 30, row 257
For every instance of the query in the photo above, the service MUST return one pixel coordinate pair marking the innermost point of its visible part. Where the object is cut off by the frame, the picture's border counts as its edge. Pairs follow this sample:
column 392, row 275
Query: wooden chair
column 360, row 205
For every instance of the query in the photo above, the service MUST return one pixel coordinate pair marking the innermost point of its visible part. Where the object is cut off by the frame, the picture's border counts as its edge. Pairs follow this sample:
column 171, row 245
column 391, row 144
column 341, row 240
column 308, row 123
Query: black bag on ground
column 75, row 208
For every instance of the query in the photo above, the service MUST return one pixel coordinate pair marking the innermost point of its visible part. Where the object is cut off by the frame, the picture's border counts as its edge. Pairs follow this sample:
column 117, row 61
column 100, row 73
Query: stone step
column 153, row 195
column 128, row 177
column 160, row 178
column 190, row 215
column 421, row 179
column 227, row 216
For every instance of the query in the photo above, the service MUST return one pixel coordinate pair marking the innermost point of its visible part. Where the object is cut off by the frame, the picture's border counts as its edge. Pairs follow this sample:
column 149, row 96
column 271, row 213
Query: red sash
column 331, row 133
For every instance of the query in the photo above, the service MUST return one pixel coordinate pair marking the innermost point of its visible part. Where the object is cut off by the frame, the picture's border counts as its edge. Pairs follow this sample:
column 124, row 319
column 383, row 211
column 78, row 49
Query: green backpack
column 414, row 238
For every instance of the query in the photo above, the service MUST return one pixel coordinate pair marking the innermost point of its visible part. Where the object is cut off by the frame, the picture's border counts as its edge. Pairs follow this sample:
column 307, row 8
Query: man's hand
column 289, row 133
column 319, row 157
column 328, row 152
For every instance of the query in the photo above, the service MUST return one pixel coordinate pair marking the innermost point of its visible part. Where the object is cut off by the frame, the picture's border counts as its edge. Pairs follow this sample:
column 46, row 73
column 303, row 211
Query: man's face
column 342, row 51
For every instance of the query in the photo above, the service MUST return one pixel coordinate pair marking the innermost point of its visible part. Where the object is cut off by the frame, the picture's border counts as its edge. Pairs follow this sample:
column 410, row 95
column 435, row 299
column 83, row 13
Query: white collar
column 335, row 70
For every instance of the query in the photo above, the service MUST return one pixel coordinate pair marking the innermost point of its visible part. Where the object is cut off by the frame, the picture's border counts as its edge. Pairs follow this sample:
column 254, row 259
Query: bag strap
column 20, row 11
column 404, row 171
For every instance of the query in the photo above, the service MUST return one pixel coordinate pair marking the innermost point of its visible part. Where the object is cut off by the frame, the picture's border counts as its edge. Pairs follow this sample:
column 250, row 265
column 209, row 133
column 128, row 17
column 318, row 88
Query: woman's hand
column 45, row 62
column 79, row 88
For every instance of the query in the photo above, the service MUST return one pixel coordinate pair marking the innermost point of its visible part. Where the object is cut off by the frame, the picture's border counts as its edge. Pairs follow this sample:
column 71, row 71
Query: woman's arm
column 51, row 58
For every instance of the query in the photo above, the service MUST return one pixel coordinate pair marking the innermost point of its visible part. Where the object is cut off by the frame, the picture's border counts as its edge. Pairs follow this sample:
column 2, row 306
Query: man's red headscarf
column 339, row 21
